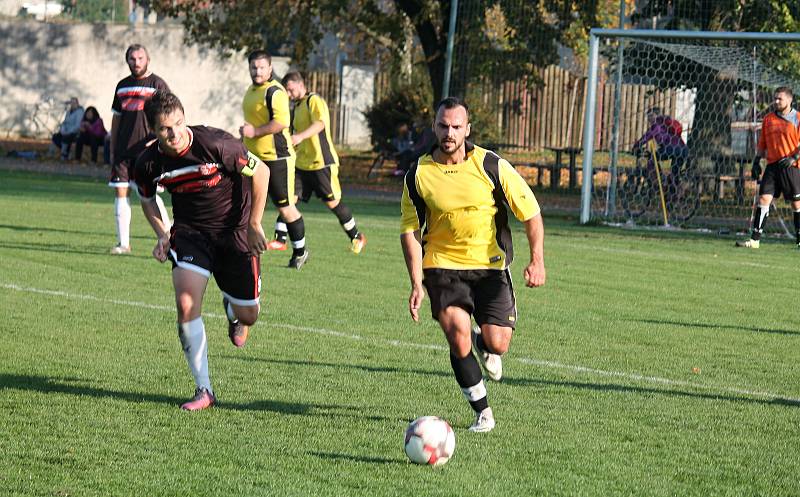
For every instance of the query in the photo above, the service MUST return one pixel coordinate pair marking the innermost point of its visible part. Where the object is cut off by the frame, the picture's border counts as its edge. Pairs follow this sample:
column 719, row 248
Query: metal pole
column 611, row 194
column 588, row 130
column 448, row 61
column 701, row 35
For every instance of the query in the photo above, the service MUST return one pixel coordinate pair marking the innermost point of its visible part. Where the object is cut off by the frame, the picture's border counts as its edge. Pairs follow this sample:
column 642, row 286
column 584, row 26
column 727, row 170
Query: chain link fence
column 676, row 122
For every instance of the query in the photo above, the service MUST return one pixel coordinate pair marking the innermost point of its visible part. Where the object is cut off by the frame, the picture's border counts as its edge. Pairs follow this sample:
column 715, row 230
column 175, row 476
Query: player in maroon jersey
column 129, row 134
column 218, row 194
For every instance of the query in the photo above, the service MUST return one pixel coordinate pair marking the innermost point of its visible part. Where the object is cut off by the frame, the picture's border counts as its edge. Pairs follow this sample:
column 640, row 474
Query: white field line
column 397, row 343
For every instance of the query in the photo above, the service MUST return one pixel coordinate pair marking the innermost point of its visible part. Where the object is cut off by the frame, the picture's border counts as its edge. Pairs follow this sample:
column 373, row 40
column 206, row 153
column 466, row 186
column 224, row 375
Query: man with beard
column 218, row 194
column 266, row 134
column 129, row 135
column 457, row 243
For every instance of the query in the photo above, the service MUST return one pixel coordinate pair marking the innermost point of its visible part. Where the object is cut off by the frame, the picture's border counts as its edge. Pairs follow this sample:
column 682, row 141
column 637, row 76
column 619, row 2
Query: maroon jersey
column 129, row 98
column 205, row 181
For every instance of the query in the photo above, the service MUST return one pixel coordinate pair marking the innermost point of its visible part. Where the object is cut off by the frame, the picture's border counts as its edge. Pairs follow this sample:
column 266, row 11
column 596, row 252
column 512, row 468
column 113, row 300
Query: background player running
column 218, row 194
column 129, row 134
column 317, row 168
column 266, row 134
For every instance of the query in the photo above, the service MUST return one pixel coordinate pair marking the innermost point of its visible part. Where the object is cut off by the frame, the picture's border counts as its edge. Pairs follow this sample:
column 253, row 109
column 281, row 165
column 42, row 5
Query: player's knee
column 497, row 339
column 247, row 315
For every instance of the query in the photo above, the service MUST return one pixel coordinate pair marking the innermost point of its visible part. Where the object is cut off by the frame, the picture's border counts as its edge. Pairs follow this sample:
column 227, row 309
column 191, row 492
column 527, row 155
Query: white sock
column 122, row 210
column 162, row 211
column 195, row 348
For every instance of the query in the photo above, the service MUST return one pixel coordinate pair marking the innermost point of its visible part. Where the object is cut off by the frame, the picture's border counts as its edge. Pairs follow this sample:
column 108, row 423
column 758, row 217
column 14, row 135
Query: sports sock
column 481, row 345
column 345, row 217
column 760, row 213
column 122, row 211
column 280, row 230
column 162, row 212
column 230, row 313
column 796, row 219
column 195, row 348
column 470, row 379
column 297, row 234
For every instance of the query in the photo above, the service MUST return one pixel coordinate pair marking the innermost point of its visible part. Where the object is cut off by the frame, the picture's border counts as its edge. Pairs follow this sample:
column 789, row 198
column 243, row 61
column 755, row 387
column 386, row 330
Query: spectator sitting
column 417, row 146
column 70, row 128
column 92, row 133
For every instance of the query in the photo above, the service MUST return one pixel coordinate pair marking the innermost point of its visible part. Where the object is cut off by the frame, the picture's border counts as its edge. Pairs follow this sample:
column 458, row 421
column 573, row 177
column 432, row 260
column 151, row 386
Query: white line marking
column 397, row 343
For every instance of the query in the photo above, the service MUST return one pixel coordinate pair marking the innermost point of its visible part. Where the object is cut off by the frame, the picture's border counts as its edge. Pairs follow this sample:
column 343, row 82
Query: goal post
column 703, row 93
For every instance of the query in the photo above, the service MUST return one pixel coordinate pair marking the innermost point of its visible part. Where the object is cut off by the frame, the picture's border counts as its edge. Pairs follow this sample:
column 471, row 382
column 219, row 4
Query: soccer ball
column 429, row 440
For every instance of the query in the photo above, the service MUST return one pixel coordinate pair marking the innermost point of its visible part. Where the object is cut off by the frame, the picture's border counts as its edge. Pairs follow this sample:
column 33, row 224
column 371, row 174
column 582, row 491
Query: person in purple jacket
column 93, row 133
column 667, row 133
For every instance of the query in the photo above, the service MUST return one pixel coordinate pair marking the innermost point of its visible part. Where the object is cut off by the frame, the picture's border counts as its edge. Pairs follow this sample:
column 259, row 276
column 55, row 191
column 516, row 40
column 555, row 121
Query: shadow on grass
column 722, row 326
column 615, row 388
column 332, row 456
column 72, row 386
column 65, row 249
column 361, row 367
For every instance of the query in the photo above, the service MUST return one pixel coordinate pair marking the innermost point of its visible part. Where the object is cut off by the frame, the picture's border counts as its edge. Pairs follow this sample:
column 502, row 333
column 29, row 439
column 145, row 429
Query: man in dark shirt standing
column 129, row 134
column 218, row 194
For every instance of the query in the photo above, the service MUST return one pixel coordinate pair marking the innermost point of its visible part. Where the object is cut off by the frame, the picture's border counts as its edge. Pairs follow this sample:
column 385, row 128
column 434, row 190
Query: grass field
column 650, row 364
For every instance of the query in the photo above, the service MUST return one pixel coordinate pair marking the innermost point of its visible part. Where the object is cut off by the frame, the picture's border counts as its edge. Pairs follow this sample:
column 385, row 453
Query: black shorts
column 281, row 181
column 226, row 256
column 779, row 180
column 487, row 294
column 324, row 183
column 121, row 173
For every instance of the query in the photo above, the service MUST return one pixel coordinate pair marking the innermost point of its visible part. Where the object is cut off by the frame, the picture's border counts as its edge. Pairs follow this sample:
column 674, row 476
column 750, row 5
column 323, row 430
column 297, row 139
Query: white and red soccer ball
column 429, row 440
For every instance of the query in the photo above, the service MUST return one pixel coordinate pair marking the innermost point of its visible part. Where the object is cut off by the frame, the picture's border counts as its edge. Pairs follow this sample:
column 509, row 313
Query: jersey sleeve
column 116, row 103
column 319, row 109
column 234, row 155
column 279, row 103
column 162, row 85
column 409, row 222
column 143, row 172
column 518, row 194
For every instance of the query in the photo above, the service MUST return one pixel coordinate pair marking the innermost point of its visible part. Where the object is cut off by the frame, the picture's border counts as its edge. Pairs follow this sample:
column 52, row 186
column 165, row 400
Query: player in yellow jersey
column 317, row 162
column 457, row 243
column 266, row 134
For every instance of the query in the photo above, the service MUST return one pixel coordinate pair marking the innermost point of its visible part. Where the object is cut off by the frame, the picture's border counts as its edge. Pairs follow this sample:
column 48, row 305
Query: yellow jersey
column 262, row 104
column 463, row 209
column 315, row 152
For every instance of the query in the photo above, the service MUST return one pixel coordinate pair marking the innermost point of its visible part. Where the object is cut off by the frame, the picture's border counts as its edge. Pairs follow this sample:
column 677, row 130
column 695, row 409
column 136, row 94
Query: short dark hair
column 452, row 103
column 294, row 76
column 259, row 54
column 134, row 48
column 784, row 89
column 162, row 102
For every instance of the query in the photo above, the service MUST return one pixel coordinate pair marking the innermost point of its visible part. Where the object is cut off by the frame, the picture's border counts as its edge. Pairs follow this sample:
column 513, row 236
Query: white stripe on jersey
column 131, row 91
column 205, row 169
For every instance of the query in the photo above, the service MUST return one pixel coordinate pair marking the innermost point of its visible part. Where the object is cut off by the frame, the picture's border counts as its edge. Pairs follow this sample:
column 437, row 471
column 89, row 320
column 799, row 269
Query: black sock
column 796, row 219
column 470, row 379
column 345, row 217
column 280, row 229
column 760, row 213
column 481, row 345
column 297, row 234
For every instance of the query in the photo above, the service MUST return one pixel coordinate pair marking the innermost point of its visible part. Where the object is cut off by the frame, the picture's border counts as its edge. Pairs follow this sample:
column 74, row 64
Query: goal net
column 676, row 122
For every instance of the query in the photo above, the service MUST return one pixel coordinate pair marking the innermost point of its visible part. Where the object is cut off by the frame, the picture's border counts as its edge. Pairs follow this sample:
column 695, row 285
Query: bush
column 406, row 104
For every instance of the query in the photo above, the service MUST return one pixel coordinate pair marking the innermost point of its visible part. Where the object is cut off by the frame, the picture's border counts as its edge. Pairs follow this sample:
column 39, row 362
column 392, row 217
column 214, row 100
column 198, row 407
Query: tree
column 527, row 36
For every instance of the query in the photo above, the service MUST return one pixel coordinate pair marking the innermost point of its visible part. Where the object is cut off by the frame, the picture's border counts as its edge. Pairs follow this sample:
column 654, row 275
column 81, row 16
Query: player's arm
column 410, row 238
column 153, row 216
column 281, row 117
column 114, row 131
column 310, row 131
column 412, row 252
column 258, row 173
column 535, row 274
column 523, row 204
